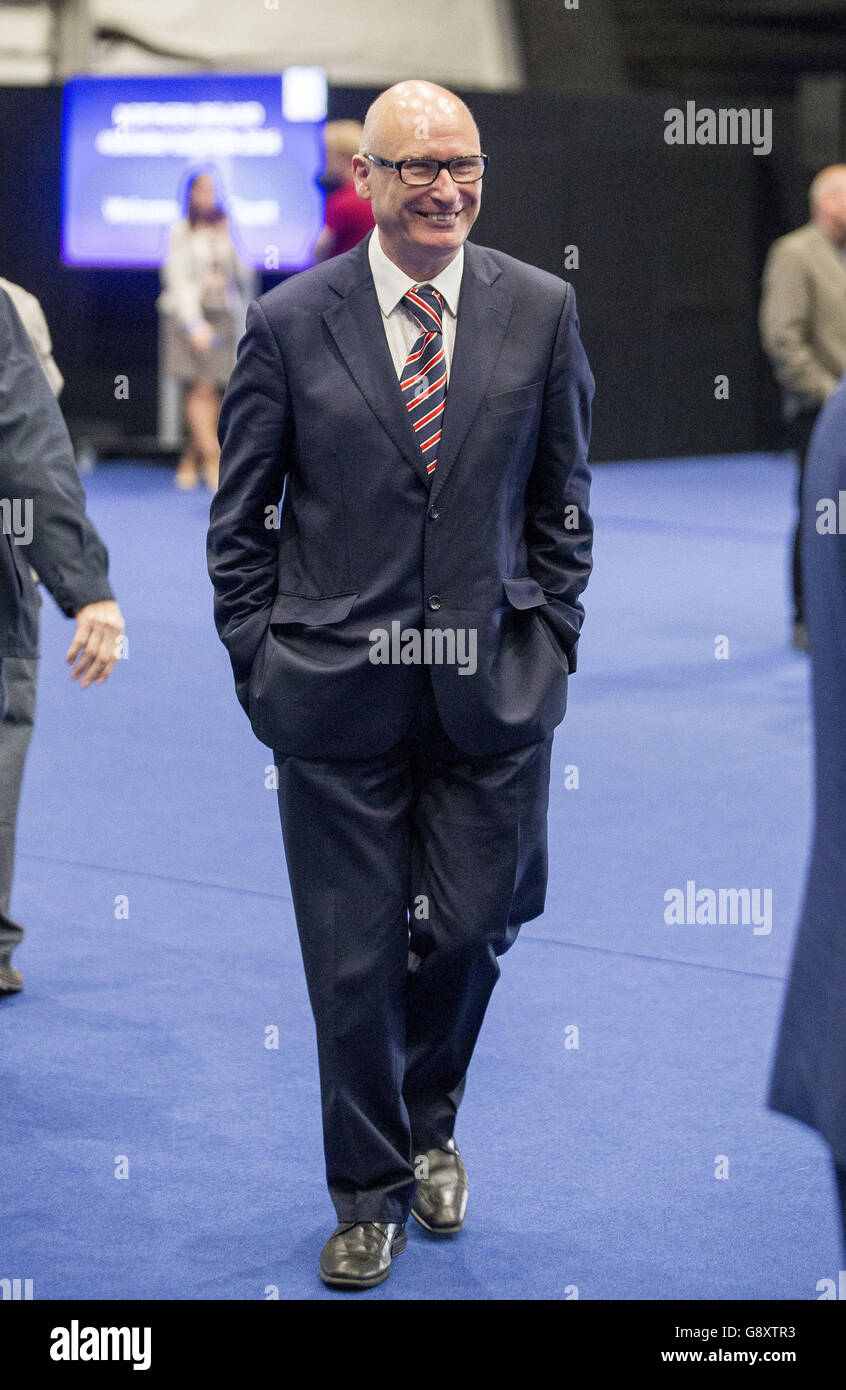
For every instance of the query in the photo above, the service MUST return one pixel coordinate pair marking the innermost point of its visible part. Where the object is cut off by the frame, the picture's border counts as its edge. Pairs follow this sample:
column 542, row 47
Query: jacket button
column 434, row 601
column 433, row 513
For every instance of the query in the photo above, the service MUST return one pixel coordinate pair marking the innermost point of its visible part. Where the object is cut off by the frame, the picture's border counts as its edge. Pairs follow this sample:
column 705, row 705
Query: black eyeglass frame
column 422, row 159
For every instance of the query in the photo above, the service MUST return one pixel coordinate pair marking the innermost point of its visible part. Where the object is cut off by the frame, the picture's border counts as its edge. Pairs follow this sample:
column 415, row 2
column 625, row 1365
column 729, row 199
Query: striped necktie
column 423, row 380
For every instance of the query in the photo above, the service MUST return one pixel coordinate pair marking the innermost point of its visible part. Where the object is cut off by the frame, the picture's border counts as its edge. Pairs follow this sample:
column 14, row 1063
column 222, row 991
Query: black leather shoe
column 358, row 1253
column 440, row 1203
column 11, row 980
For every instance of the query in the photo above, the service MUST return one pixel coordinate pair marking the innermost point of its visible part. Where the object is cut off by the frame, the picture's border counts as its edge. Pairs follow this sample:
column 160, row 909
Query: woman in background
column 205, row 292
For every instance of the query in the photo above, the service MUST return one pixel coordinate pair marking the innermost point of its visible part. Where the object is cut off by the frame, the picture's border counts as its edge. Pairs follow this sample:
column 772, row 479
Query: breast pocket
column 509, row 402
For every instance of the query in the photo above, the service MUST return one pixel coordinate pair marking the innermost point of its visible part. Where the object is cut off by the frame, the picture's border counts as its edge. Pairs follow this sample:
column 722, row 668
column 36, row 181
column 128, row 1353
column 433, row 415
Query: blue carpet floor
column 592, row 1167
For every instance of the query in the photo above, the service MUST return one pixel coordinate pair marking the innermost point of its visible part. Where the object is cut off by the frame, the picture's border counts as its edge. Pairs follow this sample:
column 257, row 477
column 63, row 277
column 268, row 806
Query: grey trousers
column 18, row 680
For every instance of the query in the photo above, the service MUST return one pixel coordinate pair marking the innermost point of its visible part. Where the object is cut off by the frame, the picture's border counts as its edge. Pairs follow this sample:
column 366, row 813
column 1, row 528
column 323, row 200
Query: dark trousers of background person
column 840, row 1179
column 18, row 678
column 410, row 873
column 798, row 432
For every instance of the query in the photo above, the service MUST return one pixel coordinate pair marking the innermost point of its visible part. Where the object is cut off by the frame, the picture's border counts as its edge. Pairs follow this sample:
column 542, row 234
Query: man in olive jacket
column 803, row 328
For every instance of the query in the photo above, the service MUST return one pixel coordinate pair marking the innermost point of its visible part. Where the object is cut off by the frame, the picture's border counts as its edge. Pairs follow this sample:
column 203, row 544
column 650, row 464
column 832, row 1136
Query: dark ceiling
column 688, row 46
column 759, row 45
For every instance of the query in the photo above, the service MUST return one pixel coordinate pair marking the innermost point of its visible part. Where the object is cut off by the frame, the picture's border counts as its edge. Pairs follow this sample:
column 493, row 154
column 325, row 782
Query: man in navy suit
column 401, row 631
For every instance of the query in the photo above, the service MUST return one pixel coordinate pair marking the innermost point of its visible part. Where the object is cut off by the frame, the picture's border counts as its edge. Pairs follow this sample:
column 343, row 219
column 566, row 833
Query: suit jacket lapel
column 355, row 323
column 484, row 308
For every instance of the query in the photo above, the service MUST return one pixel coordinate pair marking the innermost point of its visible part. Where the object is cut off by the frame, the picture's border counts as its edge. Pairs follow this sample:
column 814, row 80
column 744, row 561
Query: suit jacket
column 497, row 541
column 39, row 482
column 808, row 1078
column 803, row 317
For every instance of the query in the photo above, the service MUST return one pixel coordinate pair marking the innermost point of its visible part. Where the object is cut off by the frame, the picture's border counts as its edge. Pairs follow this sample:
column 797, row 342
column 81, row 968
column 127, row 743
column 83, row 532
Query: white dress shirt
column 391, row 284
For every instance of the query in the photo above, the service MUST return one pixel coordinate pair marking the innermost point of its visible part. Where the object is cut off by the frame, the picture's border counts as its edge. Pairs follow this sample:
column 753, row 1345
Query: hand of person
column 95, row 647
column 201, row 336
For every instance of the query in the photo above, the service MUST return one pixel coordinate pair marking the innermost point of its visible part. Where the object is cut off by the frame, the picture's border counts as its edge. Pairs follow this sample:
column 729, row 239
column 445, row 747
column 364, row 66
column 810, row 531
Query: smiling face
column 420, row 229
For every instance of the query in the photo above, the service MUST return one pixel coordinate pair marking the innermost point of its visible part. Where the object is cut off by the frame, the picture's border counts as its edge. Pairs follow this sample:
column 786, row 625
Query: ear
column 361, row 175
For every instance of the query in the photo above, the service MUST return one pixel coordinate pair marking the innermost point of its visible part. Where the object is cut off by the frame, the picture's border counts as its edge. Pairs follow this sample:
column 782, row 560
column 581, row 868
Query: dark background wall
column 670, row 240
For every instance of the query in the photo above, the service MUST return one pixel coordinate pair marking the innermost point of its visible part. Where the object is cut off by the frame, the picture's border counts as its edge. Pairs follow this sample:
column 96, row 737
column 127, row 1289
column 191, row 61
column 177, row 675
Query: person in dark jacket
column 43, row 521
column 809, row 1074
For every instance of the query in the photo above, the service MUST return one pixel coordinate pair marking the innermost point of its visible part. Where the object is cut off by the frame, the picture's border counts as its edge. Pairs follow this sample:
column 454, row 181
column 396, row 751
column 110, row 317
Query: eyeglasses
column 463, row 169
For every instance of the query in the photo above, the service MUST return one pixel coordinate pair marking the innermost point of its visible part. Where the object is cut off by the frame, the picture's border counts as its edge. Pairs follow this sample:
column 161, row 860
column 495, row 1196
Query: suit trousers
column 18, row 682
column 840, row 1183
column 411, row 872
column 798, row 433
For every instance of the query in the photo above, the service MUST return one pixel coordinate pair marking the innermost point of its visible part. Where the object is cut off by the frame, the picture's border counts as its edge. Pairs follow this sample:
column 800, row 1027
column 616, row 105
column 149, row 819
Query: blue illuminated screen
column 131, row 144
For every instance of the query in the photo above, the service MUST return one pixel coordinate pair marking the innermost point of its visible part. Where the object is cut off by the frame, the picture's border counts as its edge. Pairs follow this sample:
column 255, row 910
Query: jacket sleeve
column 182, row 286
column 255, row 431
column 785, row 319
column 247, row 281
column 37, row 469
column 558, row 528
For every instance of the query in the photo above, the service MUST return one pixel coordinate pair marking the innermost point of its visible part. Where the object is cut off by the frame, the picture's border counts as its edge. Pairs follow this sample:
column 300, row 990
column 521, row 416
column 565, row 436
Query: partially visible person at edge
column 43, row 514
column 803, row 330
column 206, row 289
column 19, row 673
column 348, row 217
column 809, row 1073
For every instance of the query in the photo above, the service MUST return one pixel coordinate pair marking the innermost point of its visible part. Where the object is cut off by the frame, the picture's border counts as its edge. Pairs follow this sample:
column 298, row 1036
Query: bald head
column 827, row 197
column 830, row 180
column 414, row 111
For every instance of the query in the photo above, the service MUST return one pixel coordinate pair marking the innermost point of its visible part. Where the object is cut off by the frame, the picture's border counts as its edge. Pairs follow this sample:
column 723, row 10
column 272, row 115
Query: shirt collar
column 391, row 283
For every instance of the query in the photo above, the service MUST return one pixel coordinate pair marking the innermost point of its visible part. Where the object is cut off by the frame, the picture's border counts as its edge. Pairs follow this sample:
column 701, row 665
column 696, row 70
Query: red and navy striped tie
column 423, row 380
